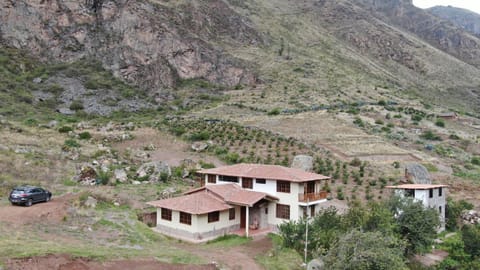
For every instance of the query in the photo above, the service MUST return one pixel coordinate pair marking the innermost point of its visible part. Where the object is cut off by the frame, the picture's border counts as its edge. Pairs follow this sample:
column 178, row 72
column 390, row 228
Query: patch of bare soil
column 167, row 148
column 235, row 258
column 49, row 212
column 66, row 262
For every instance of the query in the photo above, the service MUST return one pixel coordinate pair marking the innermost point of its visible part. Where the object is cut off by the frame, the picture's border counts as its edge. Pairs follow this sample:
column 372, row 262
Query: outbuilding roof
column 416, row 186
column 195, row 203
column 262, row 171
column 212, row 198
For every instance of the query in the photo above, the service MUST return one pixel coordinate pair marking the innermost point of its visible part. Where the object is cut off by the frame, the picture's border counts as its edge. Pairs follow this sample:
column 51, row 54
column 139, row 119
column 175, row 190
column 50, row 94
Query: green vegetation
column 366, row 250
column 229, row 240
column 280, row 258
column 429, row 135
column 409, row 227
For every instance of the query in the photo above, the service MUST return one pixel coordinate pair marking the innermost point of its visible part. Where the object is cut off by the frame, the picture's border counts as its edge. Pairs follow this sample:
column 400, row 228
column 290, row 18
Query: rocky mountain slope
column 330, row 50
column 463, row 18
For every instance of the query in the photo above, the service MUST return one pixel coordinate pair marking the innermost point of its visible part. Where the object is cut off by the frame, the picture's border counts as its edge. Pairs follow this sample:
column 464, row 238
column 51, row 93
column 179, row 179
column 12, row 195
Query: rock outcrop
column 153, row 44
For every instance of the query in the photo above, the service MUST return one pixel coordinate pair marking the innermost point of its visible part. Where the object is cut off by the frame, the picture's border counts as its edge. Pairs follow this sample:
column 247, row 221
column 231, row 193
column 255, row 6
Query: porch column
column 247, row 222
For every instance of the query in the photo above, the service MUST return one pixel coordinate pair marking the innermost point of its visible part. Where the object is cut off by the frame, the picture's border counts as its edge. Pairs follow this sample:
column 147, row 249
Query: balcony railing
column 311, row 197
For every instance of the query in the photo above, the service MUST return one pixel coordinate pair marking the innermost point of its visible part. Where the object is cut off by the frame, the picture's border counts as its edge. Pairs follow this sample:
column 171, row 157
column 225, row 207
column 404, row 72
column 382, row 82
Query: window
column 440, row 209
column 430, row 193
column 185, row 218
column 212, row 178
column 213, row 216
column 266, row 210
column 440, row 191
column 247, row 183
column 409, row 193
column 226, row 178
column 166, row 214
column 283, row 211
column 283, row 186
column 231, row 213
column 261, row 181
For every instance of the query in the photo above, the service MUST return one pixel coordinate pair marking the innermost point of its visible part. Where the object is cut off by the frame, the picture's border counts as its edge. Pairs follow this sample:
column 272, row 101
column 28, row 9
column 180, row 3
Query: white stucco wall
column 224, row 222
column 423, row 195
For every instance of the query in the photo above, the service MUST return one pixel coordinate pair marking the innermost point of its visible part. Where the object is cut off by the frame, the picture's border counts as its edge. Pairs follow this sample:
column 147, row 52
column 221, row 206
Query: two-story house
column 432, row 196
column 242, row 196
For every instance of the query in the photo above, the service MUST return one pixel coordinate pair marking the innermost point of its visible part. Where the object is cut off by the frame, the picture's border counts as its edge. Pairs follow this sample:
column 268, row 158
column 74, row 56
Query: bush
column 429, row 135
column 76, row 105
column 200, row 136
column 355, row 162
column 417, row 118
column 65, row 129
column 475, row 160
column 275, row 111
column 382, row 102
column 440, row 123
column 71, row 143
column 85, row 135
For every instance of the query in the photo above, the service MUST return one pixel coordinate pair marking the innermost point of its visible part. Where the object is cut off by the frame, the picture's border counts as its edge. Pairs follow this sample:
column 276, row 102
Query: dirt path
column 52, row 211
column 235, row 258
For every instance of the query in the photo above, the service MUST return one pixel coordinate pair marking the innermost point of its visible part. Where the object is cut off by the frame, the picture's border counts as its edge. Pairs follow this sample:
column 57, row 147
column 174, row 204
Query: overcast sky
column 473, row 5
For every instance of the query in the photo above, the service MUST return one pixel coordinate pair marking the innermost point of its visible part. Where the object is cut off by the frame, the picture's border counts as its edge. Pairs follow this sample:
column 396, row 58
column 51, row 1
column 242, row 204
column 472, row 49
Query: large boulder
column 199, row 146
column 120, row 175
column 90, row 202
column 303, row 162
column 316, row 264
column 417, row 174
column 154, row 171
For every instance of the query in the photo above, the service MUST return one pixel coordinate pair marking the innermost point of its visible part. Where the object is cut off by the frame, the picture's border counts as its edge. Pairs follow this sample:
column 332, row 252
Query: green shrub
column 76, row 105
column 85, row 135
column 440, row 123
column 104, row 177
column 382, row 102
column 475, row 160
column 31, row 122
column 275, row 111
column 71, row 143
column 417, row 117
column 65, row 129
column 200, row 136
column 429, row 135
column 454, row 137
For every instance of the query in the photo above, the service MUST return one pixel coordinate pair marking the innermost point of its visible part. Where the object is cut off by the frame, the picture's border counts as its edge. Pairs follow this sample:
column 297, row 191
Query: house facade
column 433, row 196
column 241, row 197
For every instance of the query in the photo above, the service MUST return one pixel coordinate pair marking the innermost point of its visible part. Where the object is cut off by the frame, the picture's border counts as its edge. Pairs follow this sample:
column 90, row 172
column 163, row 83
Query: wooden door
column 243, row 217
column 310, row 188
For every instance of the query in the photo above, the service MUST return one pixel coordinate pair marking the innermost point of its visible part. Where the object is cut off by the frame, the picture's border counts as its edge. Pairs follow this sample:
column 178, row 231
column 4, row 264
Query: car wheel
column 28, row 203
column 48, row 198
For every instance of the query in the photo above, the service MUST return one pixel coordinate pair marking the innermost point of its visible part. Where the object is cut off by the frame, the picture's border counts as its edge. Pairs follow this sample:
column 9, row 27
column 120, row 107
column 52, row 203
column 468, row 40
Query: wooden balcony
column 311, row 197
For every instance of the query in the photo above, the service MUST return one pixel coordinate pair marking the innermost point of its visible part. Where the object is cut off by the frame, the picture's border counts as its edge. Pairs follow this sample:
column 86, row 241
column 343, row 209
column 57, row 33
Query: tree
column 366, row 250
column 416, row 224
column 453, row 211
column 471, row 239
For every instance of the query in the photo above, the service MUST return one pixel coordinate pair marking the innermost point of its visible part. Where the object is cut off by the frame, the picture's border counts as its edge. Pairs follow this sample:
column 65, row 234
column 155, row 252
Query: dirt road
column 52, row 211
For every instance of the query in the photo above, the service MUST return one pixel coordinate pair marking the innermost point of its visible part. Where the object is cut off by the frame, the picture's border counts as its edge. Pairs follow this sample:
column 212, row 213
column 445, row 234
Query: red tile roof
column 196, row 203
column 416, row 186
column 261, row 171
column 234, row 194
column 212, row 198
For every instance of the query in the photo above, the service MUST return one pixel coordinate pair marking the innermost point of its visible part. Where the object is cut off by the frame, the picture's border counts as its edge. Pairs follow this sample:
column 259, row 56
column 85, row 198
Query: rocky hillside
column 153, row 44
column 331, row 51
column 463, row 18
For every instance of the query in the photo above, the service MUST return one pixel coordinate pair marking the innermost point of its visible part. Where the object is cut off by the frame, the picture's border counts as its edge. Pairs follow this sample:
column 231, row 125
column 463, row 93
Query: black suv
column 27, row 195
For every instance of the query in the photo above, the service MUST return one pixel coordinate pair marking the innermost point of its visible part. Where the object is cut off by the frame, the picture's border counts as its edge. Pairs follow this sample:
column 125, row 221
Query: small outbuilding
column 433, row 196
